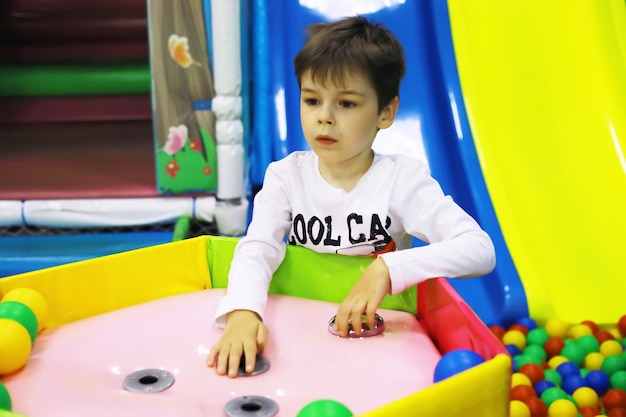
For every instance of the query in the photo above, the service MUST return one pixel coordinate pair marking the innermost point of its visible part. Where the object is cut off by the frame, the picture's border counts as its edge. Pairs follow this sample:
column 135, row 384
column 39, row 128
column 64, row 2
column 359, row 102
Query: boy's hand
column 364, row 298
column 244, row 335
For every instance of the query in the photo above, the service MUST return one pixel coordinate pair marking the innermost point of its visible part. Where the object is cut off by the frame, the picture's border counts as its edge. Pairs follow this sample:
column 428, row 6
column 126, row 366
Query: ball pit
column 563, row 370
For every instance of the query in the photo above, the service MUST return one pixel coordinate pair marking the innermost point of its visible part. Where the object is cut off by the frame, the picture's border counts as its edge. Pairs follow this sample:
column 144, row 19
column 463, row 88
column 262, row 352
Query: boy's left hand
column 364, row 298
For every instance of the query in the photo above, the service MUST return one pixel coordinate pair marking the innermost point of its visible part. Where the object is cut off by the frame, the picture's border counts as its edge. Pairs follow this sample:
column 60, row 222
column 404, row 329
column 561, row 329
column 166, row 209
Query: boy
column 341, row 197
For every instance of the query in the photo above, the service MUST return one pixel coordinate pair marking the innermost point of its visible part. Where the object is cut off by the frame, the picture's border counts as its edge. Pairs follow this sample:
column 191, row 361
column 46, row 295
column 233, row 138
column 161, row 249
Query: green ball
column 537, row 336
column 536, row 351
column 553, row 376
column 325, row 408
column 618, row 380
column 589, row 343
column 5, row 398
column 612, row 364
column 552, row 394
column 21, row 313
column 575, row 353
column 523, row 359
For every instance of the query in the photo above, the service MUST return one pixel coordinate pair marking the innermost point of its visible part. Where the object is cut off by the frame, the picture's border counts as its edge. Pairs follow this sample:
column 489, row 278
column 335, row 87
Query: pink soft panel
column 78, row 369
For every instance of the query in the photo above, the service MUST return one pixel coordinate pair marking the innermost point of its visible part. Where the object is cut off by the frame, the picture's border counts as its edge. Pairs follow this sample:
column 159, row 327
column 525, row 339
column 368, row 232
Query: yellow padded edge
column 87, row 288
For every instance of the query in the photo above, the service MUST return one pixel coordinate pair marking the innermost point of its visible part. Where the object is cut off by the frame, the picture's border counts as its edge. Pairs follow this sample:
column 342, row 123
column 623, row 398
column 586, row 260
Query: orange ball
column 614, row 398
column 621, row 325
column 553, row 346
column 616, row 412
column 592, row 325
column 603, row 336
column 522, row 393
column 497, row 330
column 537, row 407
column 533, row 371
column 589, row 411
column 519, row 327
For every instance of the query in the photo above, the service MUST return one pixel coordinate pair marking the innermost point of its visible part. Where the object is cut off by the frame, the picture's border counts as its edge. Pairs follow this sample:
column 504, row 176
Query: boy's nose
column 325, row 116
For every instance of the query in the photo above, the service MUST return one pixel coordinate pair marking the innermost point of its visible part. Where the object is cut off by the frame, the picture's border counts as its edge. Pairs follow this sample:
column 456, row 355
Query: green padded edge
column 307, row 274
column 47, row 80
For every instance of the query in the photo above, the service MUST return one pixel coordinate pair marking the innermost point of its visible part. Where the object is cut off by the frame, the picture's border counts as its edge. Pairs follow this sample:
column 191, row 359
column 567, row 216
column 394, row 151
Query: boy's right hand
column 244, row 335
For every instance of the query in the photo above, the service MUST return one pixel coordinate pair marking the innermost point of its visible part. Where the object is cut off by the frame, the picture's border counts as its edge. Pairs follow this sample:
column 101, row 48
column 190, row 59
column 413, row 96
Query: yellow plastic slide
column 544, row 84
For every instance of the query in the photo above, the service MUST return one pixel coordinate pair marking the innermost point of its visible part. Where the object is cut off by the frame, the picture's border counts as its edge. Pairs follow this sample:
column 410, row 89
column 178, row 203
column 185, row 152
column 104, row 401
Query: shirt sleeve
column 456, row 247
column 260, row 252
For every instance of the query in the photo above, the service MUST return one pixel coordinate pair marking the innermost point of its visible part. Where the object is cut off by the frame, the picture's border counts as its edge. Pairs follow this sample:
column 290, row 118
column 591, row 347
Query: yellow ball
column 557, row 328
column 586, row 397
column 518, row 409
column 519, row 378
column 611, row 347
column 555, row 361
column 514, row 337
column 579, row 330
column 32, row 299
column 562, row 408
column 593, row 361
column 15, row 346
column 616, row 333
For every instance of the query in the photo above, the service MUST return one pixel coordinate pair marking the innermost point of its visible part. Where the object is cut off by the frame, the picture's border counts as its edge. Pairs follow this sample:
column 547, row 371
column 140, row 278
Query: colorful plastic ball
column 513, row 350
column 562, row 408
column 537, row 407
column 522, row 393
column 591, row 324
column 574, row 352
column 572, row 383
column 579, row 330
column 557, row 327
column 536, row 351
column 541, row 386
column 614, row 398
column 497, row 330
column 325, row 408
column 589, row 411
column 589, row 344
column 598, row 381
column 612, row 364
column 552, row 394
column 553, row 346
column 33, row 299
column 616, row 334
column 603, row 336
column 567, row 369
column 533, row 371
column 555, row 361
column 593, row 361
column 586, row 397
column 19, row 312
column 15, row 346
column 621, row 325
column 618, row 380
column 520, row 379
column 616, row 412
column 527, row 322
column 456, row 361
column 553, row 376
column 611, row 347
column 537, row 336
column 518, row 409
column 514, row 337
column 5, row 398
column 519, row 327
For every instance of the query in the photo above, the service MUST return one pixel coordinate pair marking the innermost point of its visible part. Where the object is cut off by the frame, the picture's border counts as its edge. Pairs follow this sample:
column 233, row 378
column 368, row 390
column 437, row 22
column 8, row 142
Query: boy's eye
column 347, row 104
column 311, row 101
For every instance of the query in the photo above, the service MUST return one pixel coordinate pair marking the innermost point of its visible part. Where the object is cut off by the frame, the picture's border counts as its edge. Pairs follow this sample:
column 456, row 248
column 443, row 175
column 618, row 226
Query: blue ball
column 572, row 383
column 456, row 361
column 567, row 369
column 598, row 381
column 528, row 322
column 543, row 385
column 513, row 350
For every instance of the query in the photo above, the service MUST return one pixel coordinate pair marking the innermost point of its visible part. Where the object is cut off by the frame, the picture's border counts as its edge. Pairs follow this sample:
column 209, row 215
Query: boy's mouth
column 325, row 140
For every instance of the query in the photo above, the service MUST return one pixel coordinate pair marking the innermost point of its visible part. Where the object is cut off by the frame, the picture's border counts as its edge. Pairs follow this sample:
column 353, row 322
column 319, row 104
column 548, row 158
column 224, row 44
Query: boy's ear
column 388, row 113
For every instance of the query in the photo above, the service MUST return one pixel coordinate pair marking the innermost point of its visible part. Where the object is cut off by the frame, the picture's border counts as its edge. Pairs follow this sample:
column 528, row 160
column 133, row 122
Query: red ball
column 592, row 325
column 537, row 407
column 621, row 325
column 614, row 398
column 533, row 371
column 497, row 330
column 519, row 327
column 589, row 411
column 553, row 346
column 616, row 412
column 522, row 392
column 603, row 336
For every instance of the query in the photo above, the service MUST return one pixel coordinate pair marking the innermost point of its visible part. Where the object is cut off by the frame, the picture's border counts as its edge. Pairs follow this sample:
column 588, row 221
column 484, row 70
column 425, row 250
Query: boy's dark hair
column 353, row 44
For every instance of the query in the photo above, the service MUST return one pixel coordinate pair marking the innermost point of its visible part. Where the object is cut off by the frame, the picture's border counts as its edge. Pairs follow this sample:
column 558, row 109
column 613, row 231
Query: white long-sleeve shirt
column 395, row 200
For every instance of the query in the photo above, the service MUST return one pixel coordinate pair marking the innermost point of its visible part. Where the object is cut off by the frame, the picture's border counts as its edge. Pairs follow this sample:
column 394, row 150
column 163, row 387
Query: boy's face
column 340, row 121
